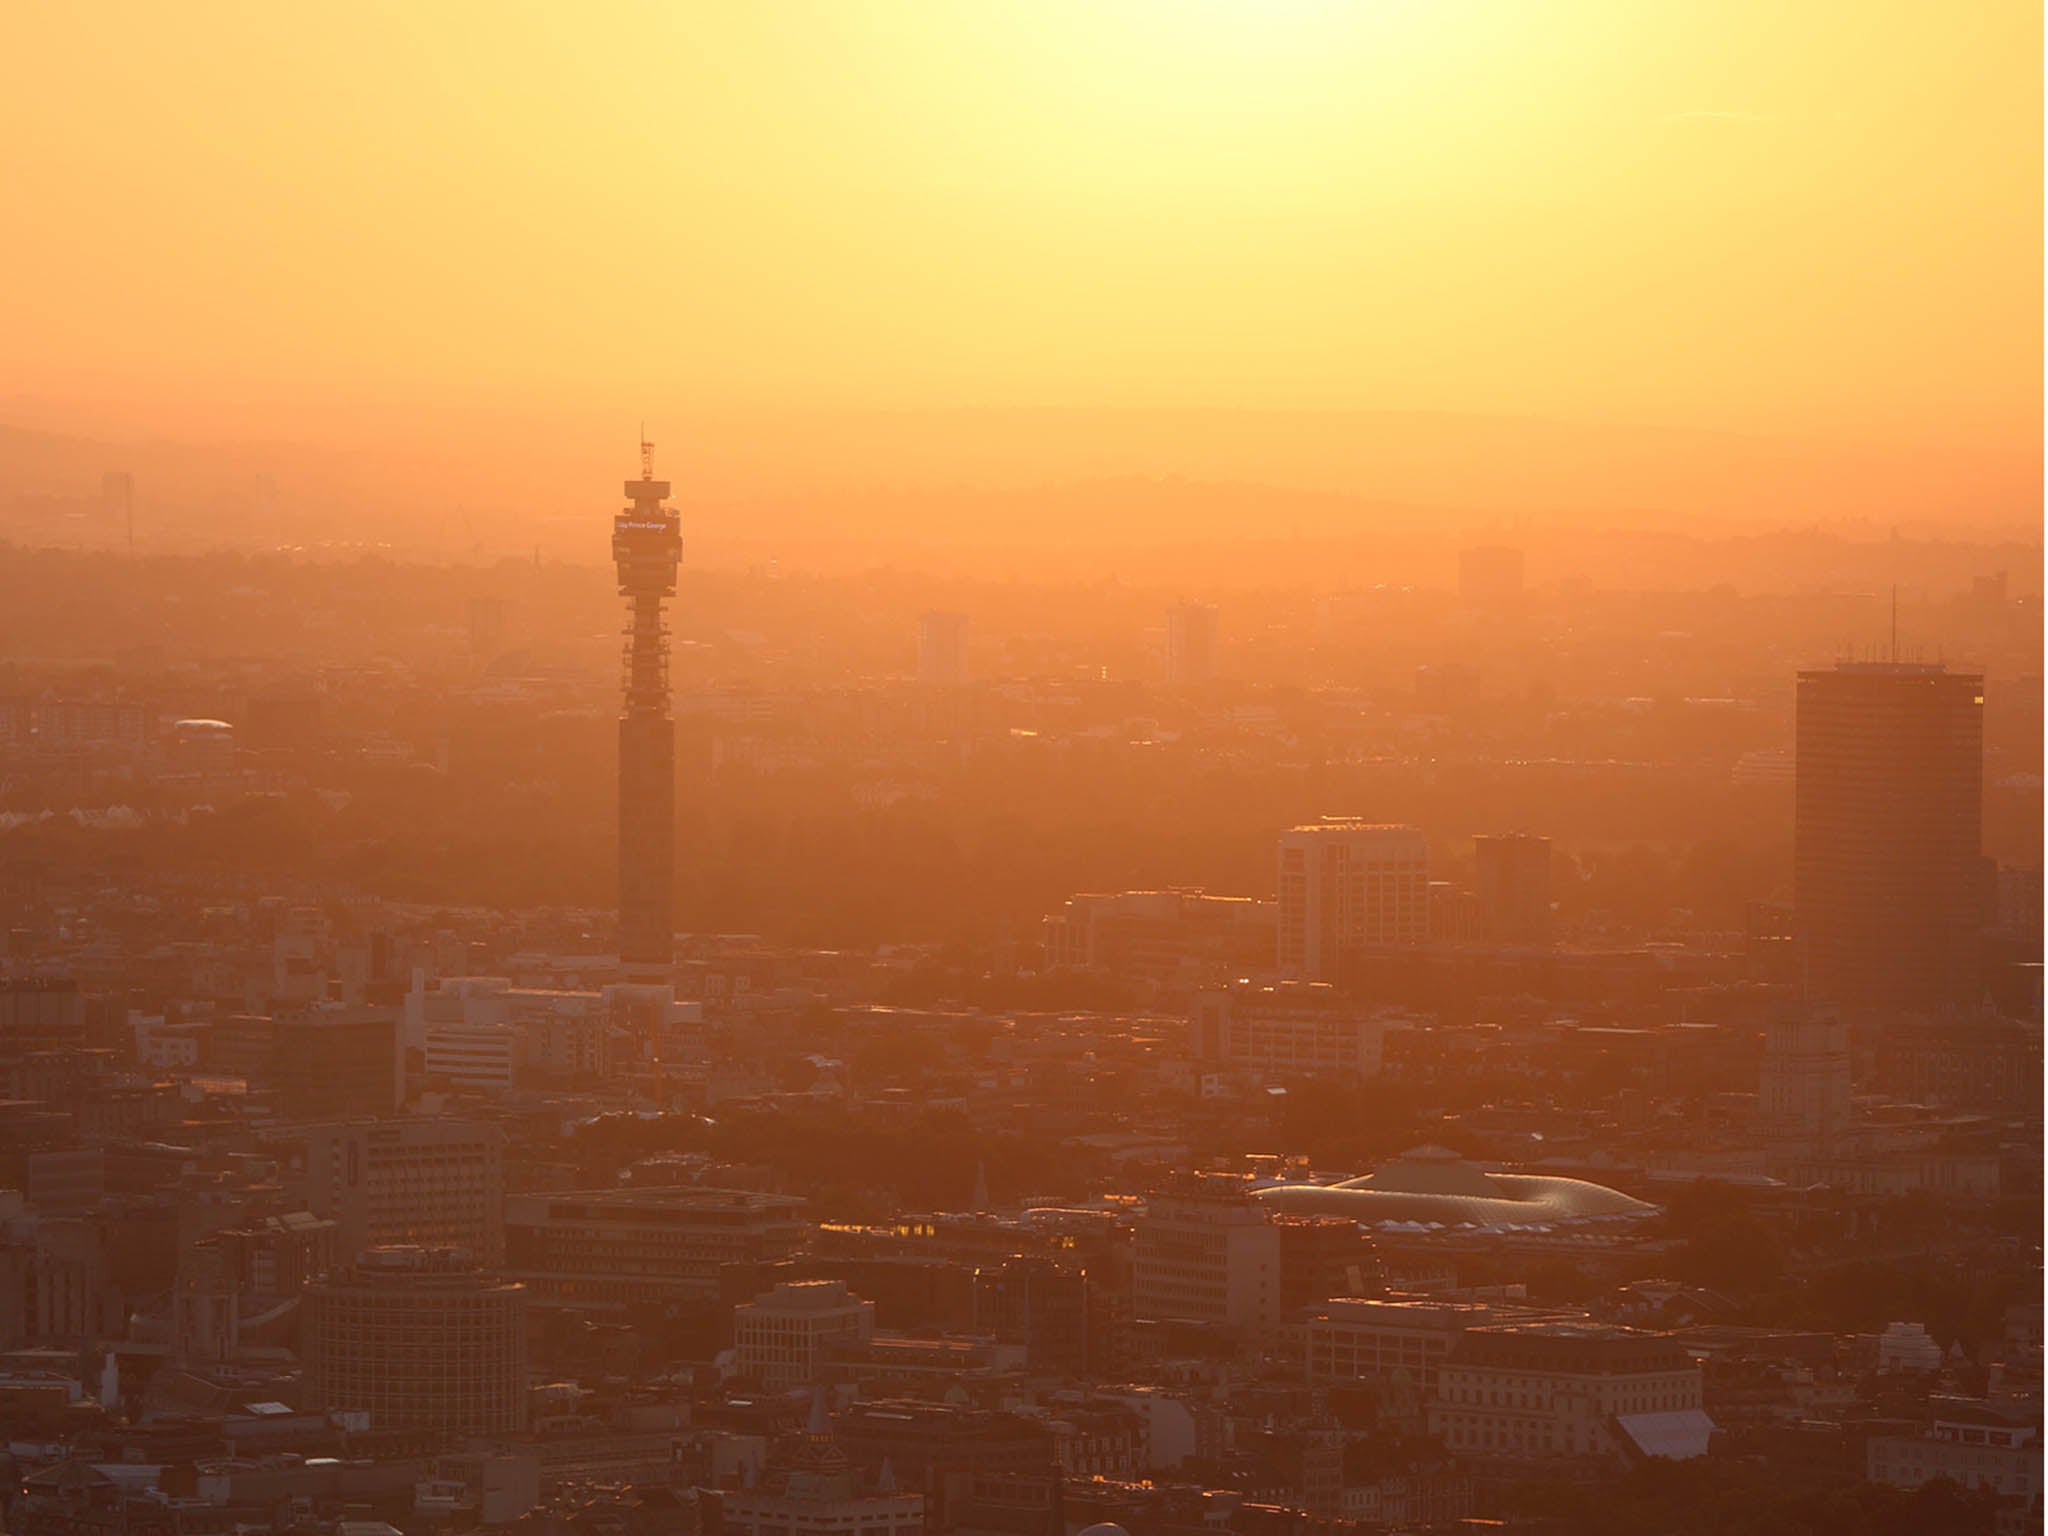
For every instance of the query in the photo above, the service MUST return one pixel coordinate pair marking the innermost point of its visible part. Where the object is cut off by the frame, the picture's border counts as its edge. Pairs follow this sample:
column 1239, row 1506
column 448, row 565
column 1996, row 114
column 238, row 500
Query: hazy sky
column 1784, row 216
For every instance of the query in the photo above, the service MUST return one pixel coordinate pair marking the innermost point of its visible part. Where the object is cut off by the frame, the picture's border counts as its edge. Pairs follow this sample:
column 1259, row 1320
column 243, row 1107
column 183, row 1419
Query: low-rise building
column 1553, row 1391
column 785, row 1338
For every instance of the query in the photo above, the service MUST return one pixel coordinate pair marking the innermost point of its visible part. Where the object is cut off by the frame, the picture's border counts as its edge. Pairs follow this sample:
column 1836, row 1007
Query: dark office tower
column 647, row 545
column 1511, row 878
column 337, row 1063
column 1036, row 1303
column 117, row 495
column 1191, row 644
column 942, row 649
column 1887, row 874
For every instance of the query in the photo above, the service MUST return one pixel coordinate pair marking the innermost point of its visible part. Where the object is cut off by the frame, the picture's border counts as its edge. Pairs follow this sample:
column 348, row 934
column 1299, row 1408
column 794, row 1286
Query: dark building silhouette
column 337, row 1063
column 1191, row 645
column 942, row 649
column 1888, row 872
column 1039, row 1305
column 1511, row 877
column 647, row 545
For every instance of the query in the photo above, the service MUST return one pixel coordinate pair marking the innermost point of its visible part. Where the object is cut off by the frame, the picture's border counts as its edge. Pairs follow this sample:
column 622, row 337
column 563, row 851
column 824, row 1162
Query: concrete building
column 942, row 649
column 486, row 1057
column 1191, row 645
column 1888, row 873
column 1294, row 1029
column 561, row 1033
column 1162, row 936
column 337, row 1063
column 817, row 1491
column 1511, row 878
column 427, row 1183
column 39, row 1013
column 1804, row 1088
column 1561, row 1391
column 1347, row 886
column 1205, row 1252
column 610, row 1248
column 1040, row 1305
column 647, row 546
column 1973, row 1446
column 1399, row 1345
column 783, row 1339
column 418, row 1339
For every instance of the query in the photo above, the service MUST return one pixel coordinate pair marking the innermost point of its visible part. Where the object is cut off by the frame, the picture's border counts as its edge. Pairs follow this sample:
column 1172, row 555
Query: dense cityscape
column 1022, row 768
column 1405, row 1060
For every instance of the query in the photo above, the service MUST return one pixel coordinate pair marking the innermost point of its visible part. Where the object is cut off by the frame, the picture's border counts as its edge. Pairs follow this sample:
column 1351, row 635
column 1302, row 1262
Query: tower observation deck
column 647, row 545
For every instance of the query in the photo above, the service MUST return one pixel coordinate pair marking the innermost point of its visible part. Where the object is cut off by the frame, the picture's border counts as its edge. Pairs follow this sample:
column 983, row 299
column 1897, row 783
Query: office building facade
column 435, row 1183
column 417, row 1339
column 1345, row 887
column 1888, row 873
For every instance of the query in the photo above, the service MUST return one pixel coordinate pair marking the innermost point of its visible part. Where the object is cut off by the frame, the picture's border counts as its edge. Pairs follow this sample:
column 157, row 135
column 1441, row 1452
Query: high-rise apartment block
column 1347, row 886
column 1888, row 874
column 1191, row 645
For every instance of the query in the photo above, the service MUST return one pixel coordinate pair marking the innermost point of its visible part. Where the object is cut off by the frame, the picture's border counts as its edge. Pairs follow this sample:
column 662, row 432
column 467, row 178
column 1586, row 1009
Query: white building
column 481, row 1056
column 1907, row 1347
column 1295, row 1029
column 1558, row 1391
column 1347, row 886
column 1971, row 1447
column 784, row 1338
column 165, row 1046
column 1206, row 1254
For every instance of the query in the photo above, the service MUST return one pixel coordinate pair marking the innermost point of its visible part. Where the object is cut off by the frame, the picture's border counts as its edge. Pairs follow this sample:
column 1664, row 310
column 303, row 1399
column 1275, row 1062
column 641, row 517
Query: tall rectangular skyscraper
column 1191, row 643
column 1348, row 886
column 942, row 649
column 1887, row 876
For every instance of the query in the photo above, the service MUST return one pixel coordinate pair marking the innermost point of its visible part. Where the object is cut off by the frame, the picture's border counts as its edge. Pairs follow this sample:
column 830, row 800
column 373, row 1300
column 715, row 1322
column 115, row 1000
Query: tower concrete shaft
column 647, row 546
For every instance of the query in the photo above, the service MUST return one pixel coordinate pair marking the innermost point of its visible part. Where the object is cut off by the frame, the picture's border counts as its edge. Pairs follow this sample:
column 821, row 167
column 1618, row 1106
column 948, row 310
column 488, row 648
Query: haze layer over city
column 1269, row 767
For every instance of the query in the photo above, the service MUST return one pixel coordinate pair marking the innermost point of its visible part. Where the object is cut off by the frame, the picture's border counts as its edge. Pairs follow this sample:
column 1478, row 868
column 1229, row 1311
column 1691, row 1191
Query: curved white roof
column 1429, row 1185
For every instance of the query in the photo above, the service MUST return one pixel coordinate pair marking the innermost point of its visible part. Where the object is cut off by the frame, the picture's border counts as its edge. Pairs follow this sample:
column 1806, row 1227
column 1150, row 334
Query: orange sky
column 1780, row 216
